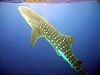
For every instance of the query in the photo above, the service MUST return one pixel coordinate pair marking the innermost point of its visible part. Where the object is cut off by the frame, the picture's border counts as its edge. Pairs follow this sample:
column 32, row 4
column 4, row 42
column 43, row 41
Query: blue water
column 17, row 57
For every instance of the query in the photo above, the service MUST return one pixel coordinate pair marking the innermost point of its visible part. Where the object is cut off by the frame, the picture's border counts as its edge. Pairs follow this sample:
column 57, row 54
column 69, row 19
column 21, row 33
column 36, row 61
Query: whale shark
column 61, row 43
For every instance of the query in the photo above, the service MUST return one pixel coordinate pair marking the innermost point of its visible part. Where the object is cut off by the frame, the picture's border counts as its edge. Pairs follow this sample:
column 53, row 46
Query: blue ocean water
column 17, row 57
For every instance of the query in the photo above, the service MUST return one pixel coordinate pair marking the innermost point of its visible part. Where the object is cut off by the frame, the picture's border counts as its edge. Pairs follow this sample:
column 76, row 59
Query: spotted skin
column 61, row 43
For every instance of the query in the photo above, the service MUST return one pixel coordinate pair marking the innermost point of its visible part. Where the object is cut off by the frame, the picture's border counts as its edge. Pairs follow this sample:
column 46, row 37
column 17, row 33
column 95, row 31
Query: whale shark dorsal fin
column 35, row 34
column 69, row 39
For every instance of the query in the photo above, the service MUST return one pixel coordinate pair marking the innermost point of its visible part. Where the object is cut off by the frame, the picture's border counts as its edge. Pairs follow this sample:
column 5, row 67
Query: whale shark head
column 33, row 19
column 29, row 15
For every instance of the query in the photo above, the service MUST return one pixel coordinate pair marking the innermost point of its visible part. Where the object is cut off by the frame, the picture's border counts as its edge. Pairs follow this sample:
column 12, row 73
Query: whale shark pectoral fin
column 57, row 53
column 34, row 36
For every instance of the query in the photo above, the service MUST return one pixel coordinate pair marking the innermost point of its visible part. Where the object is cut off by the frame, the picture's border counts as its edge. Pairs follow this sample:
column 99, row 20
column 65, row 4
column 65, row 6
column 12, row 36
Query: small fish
column 61, row 43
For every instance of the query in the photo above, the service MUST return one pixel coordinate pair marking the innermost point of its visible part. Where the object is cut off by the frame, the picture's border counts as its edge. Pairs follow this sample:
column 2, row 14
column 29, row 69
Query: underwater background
column 17, row 57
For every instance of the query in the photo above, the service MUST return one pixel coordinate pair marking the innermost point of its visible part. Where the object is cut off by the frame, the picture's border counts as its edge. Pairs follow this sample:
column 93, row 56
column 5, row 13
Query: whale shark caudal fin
column 35, row 34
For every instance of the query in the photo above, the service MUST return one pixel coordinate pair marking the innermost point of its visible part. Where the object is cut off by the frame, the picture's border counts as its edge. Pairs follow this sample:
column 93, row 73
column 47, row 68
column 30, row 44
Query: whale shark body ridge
column 61, row 43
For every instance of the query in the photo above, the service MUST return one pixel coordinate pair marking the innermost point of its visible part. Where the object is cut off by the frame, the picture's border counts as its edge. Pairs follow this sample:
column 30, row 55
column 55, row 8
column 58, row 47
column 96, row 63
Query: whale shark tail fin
column 35, row 34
